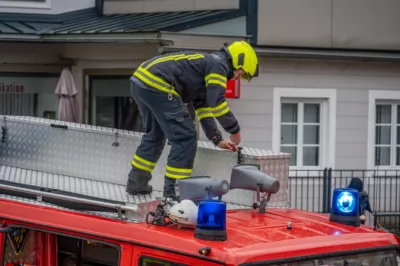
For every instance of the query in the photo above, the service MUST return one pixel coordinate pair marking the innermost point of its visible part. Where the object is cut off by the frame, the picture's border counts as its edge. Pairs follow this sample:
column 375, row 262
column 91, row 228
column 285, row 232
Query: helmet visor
column 247, row 77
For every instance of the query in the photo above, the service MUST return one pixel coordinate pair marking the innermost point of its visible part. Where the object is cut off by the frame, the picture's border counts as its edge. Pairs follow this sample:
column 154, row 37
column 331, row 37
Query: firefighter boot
column 138, row 182
column 169, row 187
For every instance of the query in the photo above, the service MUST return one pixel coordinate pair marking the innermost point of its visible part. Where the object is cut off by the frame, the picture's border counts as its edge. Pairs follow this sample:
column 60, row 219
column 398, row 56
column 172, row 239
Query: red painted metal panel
column 232, row 89
column 251, row 236
column 51, row 257
column 2, row 238
column 40, row 248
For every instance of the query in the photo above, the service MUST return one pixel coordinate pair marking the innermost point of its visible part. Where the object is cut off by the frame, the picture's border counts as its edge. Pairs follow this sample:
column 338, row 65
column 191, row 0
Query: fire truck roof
column 70, row 178
column 251, row 236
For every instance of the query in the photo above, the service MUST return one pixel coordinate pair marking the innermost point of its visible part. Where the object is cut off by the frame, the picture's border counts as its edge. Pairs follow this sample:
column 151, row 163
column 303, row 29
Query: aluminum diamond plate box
column 105, row 154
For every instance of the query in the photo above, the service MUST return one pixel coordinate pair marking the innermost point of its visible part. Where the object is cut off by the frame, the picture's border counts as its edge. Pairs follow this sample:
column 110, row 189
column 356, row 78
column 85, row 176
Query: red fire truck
column 50, row 215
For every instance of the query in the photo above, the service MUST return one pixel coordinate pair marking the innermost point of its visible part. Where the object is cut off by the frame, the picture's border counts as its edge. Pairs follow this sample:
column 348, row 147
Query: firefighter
column 162, row 86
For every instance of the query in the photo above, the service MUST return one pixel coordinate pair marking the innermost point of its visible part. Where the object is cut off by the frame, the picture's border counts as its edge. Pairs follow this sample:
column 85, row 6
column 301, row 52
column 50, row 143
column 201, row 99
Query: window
column 381, row 258
column 304, row 125
column 23, row 245
column 301, row 132
column 147, row 261
column 384, row 130
column 28, row 94
column 387, row 135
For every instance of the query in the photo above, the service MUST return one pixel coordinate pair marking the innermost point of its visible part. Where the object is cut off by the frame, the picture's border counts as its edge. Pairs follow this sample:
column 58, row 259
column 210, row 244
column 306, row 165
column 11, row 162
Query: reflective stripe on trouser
column 142, row 163
column 166, row 118
column 177, row 173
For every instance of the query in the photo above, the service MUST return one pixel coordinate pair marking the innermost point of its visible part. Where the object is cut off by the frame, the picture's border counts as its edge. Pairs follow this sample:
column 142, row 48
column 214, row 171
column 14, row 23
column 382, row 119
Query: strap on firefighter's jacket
column 154, row 81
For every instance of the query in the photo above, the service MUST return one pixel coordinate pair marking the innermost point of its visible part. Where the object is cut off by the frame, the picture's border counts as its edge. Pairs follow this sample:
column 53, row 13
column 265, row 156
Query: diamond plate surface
column 87, row 154
column 81, row 186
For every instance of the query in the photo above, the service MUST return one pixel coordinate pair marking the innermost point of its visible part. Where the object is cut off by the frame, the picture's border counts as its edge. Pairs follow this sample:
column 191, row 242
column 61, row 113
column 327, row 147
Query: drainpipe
column 99, row 5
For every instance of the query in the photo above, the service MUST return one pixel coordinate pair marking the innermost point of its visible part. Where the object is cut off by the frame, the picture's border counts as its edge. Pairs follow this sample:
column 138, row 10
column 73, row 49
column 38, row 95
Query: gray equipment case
column 90, row 165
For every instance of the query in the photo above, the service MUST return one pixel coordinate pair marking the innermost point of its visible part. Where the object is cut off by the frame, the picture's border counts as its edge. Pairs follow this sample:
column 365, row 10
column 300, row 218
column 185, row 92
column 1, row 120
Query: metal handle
column 6, row 230
column 239, row 155
column 59, row 126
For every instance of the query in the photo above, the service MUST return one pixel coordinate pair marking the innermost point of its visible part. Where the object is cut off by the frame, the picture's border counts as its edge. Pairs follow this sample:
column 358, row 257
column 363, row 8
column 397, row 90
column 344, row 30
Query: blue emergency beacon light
column 211, row 221
column 345, row 207
column 211, row 215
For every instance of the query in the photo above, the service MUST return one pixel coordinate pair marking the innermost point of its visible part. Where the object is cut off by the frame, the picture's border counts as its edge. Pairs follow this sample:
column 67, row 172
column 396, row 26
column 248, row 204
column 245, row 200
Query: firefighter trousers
column 163, row 118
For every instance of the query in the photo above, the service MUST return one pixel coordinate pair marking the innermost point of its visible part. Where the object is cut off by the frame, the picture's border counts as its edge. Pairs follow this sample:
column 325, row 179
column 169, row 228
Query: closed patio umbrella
column 66, row 90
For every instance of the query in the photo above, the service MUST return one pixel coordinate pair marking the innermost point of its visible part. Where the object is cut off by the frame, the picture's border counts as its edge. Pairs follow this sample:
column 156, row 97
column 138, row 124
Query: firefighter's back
column 183, row 71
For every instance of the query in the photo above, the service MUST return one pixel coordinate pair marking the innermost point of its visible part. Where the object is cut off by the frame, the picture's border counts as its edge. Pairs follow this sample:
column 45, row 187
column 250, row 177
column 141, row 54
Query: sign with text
column 27, row 84
column 11, row 87
column 232, row 89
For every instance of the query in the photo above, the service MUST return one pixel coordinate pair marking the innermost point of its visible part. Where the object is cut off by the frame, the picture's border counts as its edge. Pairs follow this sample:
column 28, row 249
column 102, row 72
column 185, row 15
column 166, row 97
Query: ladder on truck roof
column 78, row 194
column 84, row 195
column 85, row 168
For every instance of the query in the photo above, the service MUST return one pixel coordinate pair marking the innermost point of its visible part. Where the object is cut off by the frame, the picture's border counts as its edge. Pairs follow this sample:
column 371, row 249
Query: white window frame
column 379, row 97
column 327, row 98
column 26, row 4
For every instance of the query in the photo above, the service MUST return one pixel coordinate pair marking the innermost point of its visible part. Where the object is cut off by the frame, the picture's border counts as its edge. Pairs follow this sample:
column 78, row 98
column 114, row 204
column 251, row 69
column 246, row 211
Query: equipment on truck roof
column 209, row 217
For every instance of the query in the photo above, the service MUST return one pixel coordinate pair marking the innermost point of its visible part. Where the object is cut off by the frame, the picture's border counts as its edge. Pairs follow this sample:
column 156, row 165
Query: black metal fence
column 311, row 190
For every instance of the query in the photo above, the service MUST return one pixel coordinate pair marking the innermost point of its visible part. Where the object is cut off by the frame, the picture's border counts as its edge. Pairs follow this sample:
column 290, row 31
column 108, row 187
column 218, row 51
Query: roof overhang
column 197, row 41
column 331, row 54
column 152, row 37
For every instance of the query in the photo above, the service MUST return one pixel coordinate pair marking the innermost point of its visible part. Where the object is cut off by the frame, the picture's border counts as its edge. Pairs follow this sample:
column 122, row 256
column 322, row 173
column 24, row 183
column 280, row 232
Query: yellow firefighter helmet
column 243, row 56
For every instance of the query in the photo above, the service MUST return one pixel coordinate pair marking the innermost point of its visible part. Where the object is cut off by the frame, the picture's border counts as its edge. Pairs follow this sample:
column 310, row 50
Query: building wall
column 347, row 138
column 115, row 59
column 351, row 81
column 135, row 6
column 234, row 26
column 44, row 6
column 357, row 24
column 83, row 59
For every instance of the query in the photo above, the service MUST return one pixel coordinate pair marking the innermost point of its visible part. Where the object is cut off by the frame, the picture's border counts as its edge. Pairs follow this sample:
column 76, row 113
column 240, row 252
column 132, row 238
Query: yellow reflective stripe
column 163, row 59
column 176, row 176
column 179, row 170
column 223, row 112
column 217, row 79
column 154, row 81
column 141, row 167
column 217, row 82
column 215, row 76
column 221, row 109
column 140, row 159
column 174, row 57
column 177, row 173
column 143, row 164
column 205, row 112
column 200, row 117
column 220, row 106
column 203, row 109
